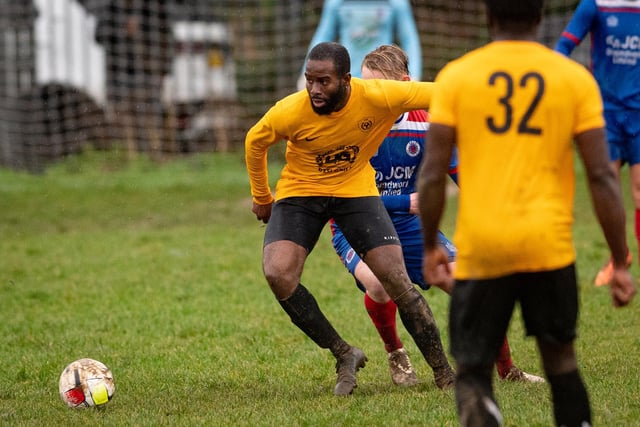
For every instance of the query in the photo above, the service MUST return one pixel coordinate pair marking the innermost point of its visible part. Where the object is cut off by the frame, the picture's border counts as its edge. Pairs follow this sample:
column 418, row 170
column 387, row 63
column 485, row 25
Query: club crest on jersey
column 351, row 253
column 337, row 160
column 365, row 124
column 413, row 148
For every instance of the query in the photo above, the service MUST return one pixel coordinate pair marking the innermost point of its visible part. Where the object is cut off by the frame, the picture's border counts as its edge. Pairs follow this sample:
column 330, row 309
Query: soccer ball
column 86, row 382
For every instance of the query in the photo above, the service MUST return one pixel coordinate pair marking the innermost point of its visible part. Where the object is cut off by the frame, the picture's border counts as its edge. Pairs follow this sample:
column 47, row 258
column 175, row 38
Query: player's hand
column 622, row 287
column 436, row 269
column 263, row 212
column 413, row 204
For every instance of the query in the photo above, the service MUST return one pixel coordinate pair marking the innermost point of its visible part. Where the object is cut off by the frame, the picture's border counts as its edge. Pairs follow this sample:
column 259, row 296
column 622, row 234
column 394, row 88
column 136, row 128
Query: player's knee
column 281, row 280
column 557, row 358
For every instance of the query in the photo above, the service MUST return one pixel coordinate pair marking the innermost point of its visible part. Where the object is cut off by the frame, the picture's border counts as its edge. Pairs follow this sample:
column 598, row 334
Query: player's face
column 327, row 91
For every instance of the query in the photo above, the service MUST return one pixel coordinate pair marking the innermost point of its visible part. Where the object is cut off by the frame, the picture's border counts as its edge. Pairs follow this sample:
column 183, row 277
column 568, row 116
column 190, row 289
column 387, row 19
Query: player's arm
column 431, row 202
column 258, row 140
column 578, row 27
column 607, row 201
column 398, row 203
column 408, row 37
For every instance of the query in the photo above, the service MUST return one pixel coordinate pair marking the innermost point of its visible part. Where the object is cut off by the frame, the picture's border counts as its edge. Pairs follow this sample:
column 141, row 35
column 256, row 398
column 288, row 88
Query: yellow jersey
column 328, row 155
column 515, row 107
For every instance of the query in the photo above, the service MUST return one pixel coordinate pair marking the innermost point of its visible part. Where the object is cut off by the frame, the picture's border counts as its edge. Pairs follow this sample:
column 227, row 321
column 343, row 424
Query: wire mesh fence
column 165, row 77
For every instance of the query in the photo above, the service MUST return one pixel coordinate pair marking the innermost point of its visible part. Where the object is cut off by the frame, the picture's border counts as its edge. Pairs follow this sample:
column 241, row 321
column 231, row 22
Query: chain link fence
column 166, row 77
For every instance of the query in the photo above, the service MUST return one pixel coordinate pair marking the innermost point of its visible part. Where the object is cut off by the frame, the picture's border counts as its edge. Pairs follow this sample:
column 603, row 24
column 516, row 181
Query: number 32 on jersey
column 506, row 115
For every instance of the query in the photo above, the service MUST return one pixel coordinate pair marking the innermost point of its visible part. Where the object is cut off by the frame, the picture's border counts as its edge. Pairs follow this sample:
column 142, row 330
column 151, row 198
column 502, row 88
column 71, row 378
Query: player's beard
column 331, row 101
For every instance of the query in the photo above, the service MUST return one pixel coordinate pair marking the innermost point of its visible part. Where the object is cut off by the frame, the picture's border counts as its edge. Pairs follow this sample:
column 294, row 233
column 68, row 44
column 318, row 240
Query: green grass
column 155, row 269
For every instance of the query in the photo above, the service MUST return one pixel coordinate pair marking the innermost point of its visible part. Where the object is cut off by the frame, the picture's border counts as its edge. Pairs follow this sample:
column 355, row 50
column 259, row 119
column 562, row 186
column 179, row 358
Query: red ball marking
column 75, row 396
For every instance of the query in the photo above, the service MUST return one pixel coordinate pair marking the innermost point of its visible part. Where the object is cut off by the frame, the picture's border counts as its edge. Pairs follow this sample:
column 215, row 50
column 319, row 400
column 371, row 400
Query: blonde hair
column 389, row 60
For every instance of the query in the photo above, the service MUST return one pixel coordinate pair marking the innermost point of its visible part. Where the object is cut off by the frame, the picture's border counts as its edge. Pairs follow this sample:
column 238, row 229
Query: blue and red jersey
column 396, row 164
column 615, row 48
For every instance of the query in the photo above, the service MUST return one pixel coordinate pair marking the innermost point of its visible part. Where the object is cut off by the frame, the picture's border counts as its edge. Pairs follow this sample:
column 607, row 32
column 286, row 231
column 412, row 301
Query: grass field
column 155, row 270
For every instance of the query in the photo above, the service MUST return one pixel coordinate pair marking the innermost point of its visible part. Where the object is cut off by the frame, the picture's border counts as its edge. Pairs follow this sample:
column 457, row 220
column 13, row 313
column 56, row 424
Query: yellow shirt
column 515, row 107
column 328, row 155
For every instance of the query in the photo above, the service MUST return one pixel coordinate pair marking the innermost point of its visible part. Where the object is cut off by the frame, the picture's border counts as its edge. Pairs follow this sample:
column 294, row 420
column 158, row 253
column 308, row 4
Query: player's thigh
column 297, row 219
column 549, row 303
column 292, row 232
column 365, row 223
column 479, row 315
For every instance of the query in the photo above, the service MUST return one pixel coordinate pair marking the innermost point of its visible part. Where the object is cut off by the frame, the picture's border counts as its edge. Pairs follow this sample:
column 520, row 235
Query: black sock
column 475, row 400
column 570, row 400
column 305, row 313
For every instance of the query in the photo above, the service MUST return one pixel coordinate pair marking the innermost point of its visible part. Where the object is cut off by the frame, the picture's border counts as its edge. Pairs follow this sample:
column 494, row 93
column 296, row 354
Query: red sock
column 384, row 319
column 504, row 362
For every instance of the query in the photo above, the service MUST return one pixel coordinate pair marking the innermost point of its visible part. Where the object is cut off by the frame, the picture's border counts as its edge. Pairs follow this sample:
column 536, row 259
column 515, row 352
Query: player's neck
column 514, row 37
column 501, row 31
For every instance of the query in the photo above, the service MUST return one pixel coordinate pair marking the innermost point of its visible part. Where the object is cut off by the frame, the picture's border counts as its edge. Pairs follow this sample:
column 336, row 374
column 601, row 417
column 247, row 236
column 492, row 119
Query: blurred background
column 172, row 77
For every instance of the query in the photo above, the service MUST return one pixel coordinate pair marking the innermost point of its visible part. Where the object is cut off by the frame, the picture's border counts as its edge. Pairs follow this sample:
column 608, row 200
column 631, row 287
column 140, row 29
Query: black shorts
column 481, row 311
column 363, row 220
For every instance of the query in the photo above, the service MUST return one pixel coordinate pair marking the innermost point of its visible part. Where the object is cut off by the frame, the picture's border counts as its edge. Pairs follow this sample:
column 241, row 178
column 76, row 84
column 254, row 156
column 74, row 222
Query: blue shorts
column 410, row 234
column 623, row 135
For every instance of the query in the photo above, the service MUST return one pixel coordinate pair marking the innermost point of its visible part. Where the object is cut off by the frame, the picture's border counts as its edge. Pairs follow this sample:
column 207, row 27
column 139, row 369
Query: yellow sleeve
column 442, row 110
column 400, row 95
column 259, row 138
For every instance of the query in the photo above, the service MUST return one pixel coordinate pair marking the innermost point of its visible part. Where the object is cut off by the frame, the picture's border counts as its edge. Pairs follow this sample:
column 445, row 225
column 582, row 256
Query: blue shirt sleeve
column 578, row 27
column 399, row 203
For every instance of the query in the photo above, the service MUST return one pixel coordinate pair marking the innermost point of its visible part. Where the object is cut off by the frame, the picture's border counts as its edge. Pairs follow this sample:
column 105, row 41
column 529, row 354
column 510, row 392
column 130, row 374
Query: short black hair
column 515, row 11
column 334, row 52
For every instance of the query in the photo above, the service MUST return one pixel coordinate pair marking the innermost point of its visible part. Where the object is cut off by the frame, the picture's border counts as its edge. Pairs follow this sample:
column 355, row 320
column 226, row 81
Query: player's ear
column 406, row 78
column 347, row 77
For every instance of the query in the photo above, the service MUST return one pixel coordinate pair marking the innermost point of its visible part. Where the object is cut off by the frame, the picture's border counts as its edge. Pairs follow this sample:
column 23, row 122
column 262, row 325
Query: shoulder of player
column 485, row 58
column 294, row 100
column 287, row 111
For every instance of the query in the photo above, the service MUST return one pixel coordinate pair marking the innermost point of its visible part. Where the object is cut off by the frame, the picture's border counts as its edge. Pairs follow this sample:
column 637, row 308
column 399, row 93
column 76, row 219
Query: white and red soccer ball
column 85, row 383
